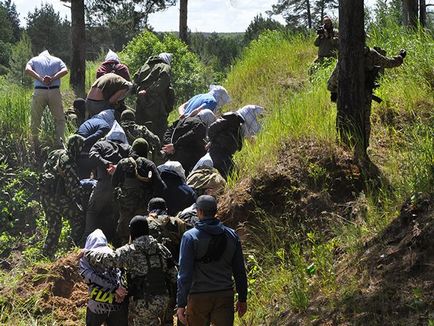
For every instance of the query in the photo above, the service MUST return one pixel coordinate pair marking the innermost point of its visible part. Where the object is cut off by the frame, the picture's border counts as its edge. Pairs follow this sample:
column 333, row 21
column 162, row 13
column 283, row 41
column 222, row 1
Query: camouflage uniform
column 168, row 230
column 150, row 271
column 135, row 131
column 135, row 182
column 328, row 44
column 373, row 60
column 61, row 193
column 155, row 78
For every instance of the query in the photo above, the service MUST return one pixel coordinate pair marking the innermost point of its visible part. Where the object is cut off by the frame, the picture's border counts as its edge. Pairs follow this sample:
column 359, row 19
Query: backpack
column 216, row 248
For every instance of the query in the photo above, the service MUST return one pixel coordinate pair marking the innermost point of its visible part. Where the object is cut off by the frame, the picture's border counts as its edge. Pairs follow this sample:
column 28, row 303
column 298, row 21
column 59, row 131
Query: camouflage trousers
column 150, row 312
column 54, row 210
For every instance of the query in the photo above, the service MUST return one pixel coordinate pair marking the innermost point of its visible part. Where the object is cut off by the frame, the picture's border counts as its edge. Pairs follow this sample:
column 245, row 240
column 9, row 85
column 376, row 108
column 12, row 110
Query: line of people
column 117, row 181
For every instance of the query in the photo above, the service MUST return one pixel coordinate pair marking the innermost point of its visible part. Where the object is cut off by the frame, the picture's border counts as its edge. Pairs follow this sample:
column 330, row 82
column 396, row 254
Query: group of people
column 127, row 178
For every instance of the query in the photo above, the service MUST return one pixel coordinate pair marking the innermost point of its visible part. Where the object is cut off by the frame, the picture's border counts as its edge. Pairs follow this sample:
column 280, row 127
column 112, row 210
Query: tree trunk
column 413, row 12
column 78, row 62
column 309, row 15
column 405, row 12
column 422, row 13
column 351, row 92
column 183, row 20
column 410, row 13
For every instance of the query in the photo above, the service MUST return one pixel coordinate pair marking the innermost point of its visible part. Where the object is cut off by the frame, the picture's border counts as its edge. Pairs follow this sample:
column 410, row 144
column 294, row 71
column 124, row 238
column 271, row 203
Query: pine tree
column 21, row 52
column 303, row 13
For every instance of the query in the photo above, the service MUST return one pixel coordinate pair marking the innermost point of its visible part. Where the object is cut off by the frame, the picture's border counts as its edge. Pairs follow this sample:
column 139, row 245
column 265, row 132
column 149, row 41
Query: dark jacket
column 138, row 182
column 178, row 195
column 196, row 276
column 188, row 138
column 105, row 152
column 225, row 134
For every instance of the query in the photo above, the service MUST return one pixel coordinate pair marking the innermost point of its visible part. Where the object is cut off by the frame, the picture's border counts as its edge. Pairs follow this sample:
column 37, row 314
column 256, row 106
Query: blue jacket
column 93, row 130
column 196, row 101
column 199, row 277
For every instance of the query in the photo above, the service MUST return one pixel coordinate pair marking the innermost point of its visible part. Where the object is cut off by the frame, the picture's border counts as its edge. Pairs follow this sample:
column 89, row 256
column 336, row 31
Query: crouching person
column 106, row 294
column 151, row 272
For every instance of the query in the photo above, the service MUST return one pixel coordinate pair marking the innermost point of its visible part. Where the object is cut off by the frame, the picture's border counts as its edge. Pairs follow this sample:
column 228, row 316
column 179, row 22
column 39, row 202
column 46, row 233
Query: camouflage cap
column 74, row 145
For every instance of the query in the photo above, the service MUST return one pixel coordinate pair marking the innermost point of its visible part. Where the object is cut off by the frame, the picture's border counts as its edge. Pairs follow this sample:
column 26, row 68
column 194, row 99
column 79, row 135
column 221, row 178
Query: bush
column 189, row 75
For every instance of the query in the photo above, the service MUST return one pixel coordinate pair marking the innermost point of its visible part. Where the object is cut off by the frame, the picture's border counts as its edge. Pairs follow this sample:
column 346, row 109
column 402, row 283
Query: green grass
column 273, row 73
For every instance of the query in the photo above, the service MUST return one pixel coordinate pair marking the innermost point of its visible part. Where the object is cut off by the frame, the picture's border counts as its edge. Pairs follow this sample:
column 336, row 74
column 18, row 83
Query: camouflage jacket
column 168, row 230
column 372, row 59
column 60, row 177
column 134, row 131
column 140, row 258
column 327, row 44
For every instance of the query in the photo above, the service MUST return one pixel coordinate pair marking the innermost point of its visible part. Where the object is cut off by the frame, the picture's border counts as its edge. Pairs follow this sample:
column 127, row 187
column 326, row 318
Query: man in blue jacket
column 210, row 255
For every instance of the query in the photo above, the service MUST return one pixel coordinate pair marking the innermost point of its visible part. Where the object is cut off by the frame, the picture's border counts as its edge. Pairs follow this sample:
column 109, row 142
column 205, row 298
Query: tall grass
column 14, row 110
column 274, row 73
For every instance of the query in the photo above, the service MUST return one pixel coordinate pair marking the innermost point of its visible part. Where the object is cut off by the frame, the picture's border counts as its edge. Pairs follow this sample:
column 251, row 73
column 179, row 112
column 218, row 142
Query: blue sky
column 203, row 15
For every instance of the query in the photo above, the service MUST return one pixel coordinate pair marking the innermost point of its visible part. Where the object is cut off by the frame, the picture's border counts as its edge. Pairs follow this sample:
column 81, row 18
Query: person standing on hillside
column 155, row 95
column 374, row 62
column 134, row 131
column 210, row 256
column 46, row 70
column 327, row 41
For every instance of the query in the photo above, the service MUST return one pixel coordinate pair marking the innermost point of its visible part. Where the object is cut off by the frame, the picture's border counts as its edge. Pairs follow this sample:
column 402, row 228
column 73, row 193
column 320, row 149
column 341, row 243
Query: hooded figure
column 225, row 139
column 47, row 71
column 117, row 134
column 102, row 306
column 213, row 100
column 178, row 194
column 113, row 64
column 150, row 273
column 104, row 156
column 250, row 114
column 166, row 57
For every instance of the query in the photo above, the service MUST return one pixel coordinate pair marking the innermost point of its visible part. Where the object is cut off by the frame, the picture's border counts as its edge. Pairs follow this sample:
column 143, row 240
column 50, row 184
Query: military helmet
column 128, row 115
column 140, row 147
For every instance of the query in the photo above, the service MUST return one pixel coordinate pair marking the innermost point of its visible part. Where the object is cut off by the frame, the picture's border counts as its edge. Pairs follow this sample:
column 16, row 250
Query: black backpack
column 216, row 248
